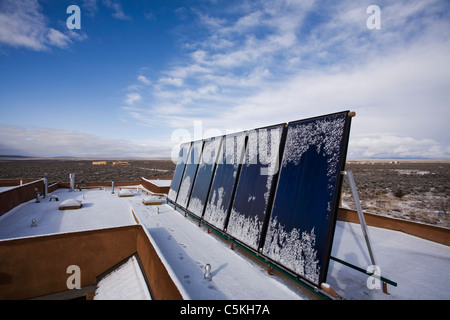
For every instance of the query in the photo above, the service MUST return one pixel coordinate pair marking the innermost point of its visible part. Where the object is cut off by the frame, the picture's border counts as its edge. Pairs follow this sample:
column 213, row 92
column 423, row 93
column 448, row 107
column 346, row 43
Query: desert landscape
column 89, row 170
column 412, row 190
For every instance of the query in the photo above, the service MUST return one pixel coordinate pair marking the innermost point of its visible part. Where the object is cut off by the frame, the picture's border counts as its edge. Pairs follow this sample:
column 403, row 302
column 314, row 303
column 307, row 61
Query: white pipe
column 72, row 182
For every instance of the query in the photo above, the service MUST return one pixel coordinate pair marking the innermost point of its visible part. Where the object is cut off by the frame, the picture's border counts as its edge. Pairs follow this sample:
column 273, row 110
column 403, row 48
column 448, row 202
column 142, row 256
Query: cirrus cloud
column 276, row 62
column 23, row 25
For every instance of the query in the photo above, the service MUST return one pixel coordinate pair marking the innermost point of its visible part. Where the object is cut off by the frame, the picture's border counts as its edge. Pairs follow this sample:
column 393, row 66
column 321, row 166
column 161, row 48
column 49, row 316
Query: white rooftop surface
column 124, row 283
column 100, row 209
column 187, row 248
column 159, row 183
column 420, row 267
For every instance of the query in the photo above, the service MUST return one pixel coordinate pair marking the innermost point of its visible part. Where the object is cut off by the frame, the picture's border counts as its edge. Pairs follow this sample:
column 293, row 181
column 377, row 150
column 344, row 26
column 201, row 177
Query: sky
column 139, row 77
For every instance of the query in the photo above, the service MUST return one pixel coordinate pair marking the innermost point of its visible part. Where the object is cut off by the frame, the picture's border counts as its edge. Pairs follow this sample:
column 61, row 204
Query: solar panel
column 179, row 170
column 204, row 176
column 190, row 171
column 255, row 186
column 274, row 190
column 223, row 185
column 303, row 217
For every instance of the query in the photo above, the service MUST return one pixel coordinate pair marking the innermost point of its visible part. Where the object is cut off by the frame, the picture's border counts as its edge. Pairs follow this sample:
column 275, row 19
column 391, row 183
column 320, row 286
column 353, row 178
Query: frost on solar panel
column 204, row 176
column 303, row 216
column 223, row 185
column 179, row 170
column 254, row 188
column 189, row 173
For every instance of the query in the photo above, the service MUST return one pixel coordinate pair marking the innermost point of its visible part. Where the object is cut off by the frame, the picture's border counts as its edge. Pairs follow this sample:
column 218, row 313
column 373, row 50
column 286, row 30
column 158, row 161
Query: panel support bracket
column 362, row 221
column 365, row 231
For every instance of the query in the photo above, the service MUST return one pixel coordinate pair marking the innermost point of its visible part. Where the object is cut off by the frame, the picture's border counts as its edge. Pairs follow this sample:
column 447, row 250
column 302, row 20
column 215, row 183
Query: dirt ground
column 58, row 170
column 413, row 190
column 418, row 191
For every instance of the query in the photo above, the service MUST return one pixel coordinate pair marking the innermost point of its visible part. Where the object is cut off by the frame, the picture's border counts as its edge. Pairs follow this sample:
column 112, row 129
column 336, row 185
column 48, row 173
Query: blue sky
column 141, row 76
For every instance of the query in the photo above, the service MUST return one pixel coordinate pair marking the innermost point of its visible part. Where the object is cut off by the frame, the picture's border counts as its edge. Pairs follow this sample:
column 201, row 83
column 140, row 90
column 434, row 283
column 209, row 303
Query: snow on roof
column 420, row 267
column 187, row 249
column 159, row 182
column 125, row 193
column 154, row 200
column 70, row 204
column 126, row 282
column 100, row 209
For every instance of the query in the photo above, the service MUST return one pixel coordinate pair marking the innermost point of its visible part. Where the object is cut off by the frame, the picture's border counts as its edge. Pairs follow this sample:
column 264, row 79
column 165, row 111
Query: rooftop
column 420, row 267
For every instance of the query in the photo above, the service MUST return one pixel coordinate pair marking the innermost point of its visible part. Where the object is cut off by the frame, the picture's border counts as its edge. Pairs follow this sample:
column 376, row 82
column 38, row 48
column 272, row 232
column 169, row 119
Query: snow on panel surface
column 190, row 171
column 179, row 169
column 255, row 185
column 204, row 176
column 123, row 283
column 223, row 185
column 301, row 218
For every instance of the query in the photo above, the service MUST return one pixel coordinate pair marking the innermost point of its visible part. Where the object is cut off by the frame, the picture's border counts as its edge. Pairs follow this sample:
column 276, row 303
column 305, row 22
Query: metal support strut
column 351, row 181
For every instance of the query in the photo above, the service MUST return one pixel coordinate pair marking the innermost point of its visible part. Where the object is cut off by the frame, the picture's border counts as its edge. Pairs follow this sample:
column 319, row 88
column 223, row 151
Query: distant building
column 99, row 163
column 121, row 163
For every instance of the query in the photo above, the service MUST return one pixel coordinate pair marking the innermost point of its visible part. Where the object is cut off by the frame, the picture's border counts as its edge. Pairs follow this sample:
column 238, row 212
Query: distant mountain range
column 13, row 156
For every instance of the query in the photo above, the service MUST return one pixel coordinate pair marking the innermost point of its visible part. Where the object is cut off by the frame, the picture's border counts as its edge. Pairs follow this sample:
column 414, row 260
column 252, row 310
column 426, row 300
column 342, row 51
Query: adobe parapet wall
column 37, row 266
column 421, row 230
column 24, row 190
column 11, row 198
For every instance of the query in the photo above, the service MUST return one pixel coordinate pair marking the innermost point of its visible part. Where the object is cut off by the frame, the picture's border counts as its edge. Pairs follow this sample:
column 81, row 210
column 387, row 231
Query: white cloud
column 90, row 6
column 288, row 60
column 58, row 39
column 118, row 12
column 177, row 82
column 132, row 98
column 22, row 24
column 45, row 142
column 389, row 146
column 143, row 79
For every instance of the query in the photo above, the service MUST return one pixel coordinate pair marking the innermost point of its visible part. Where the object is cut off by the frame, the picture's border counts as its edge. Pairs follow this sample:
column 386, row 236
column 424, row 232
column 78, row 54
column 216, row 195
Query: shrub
column 399, row 192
